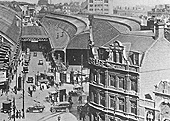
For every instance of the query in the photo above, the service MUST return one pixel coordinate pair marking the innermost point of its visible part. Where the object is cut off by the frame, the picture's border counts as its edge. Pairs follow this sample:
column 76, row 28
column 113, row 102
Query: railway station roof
column 29, row 31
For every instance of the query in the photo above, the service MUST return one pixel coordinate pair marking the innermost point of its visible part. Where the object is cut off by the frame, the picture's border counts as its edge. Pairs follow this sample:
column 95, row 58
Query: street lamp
column 23, row 80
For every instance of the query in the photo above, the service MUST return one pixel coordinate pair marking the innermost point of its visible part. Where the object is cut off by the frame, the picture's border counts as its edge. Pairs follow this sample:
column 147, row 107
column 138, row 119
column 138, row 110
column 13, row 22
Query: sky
column 116, row 2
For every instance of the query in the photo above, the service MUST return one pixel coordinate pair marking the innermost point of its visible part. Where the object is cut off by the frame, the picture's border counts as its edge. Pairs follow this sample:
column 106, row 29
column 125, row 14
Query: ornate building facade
column 113, row 88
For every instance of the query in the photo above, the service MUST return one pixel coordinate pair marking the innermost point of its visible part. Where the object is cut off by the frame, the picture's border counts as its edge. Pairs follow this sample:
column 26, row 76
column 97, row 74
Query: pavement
column 39, row 96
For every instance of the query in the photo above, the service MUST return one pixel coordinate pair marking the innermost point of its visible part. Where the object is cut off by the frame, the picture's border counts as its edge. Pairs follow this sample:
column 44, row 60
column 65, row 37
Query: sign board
column 2, row 76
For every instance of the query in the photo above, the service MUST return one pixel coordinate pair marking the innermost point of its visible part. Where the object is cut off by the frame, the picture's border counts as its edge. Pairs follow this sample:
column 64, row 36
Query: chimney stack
column 159, row 30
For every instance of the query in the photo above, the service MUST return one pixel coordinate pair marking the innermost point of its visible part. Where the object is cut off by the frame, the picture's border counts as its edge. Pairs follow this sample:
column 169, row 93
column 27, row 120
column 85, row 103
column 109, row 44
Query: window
column 133, row 83
column 112, row 102
column 91, row 5
column 120, row 57
column 136, row 59
column 92, row 96
column 94, row 76
column 121, row 82
column 102, row 77
column 114, row 56
column 105, row 1
column 121, row 104
column 95, row 97
column 133, row 107
column 113, row 80
column 102, row 98
column 90, row 1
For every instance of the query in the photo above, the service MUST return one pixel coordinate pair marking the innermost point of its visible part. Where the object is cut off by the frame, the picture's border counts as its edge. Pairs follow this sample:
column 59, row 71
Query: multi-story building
column 113, row 88
column 100, row 6
column 135, row 11
column 160, row 10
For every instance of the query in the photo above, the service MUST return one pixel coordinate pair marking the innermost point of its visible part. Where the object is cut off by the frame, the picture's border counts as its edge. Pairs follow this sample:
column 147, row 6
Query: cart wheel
column 53, row 110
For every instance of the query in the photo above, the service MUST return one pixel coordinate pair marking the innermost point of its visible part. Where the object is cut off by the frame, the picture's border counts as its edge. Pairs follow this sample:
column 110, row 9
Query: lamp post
column 14, row 107
column 23, row 114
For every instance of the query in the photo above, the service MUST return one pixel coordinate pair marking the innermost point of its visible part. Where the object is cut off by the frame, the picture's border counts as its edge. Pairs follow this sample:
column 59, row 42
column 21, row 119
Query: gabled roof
column 138, row 43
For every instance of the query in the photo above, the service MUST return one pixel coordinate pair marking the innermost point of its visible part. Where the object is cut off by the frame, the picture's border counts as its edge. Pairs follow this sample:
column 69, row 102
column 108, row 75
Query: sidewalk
column 64, row 117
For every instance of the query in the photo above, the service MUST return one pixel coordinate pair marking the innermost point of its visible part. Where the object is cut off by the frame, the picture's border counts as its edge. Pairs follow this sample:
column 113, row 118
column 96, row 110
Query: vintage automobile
column 77, row 90
column 30, row 79
column 6, row 107
column 60, row 107
column 40, row 62
column 37, row 108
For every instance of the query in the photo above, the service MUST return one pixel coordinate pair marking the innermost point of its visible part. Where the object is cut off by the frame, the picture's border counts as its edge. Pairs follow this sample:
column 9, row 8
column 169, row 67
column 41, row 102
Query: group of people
column 18, row 114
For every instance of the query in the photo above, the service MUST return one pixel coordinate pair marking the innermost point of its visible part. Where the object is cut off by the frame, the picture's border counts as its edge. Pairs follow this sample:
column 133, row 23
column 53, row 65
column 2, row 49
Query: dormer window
column 103, row 54
column 134, row 57
column 116, row 51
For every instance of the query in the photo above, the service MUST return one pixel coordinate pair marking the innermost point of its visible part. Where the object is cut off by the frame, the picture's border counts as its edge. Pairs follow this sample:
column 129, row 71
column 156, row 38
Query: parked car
column 37, row 108
column 30, row 79
column 77, row 90
column 40, row 62
column 60, row 107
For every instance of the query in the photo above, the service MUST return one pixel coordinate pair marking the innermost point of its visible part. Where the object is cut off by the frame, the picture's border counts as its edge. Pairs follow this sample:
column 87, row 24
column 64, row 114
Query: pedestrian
column 80, row 99
column 31, row 93
column 2, row 91
column 28, row 89
column 59, row 118
column 40, row 87
column 19, row 114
